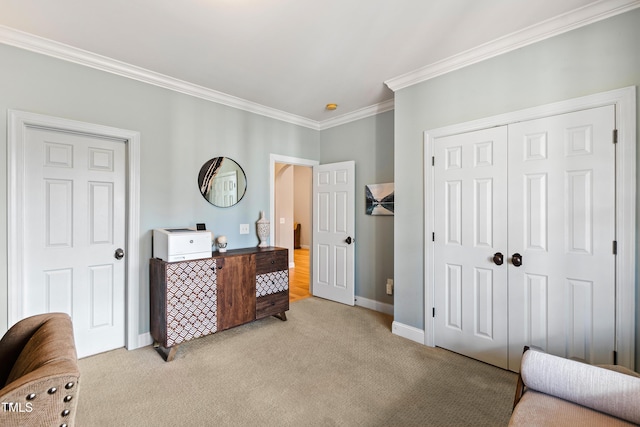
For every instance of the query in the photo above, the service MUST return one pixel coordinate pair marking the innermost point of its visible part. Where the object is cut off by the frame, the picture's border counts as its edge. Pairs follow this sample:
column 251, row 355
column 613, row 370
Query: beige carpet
column 328, row 365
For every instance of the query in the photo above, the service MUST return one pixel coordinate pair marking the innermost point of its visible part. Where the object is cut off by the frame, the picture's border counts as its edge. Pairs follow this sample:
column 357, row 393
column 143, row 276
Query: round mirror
column 222, row 182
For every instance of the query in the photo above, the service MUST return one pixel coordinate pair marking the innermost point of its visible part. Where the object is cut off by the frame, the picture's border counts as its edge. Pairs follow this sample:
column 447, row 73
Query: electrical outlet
column 389, row 286
column 244, row 228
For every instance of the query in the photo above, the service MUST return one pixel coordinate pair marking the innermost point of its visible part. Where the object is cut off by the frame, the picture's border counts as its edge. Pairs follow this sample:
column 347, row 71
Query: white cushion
column 601, row 389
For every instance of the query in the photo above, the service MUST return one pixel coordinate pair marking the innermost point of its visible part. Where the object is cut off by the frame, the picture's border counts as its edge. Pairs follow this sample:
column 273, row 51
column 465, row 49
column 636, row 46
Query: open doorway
column 291, row 210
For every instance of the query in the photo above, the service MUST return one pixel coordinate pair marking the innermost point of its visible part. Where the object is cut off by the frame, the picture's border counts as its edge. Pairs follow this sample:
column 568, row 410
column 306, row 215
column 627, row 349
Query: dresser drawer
column 272, row 283
column 272, row 304
column 272, row 261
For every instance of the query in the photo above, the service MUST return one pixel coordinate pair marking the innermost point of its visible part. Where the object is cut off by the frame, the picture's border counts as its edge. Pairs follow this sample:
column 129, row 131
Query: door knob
column 498, row 258
column 516, row 260
column 119, row 253
column 349, row 240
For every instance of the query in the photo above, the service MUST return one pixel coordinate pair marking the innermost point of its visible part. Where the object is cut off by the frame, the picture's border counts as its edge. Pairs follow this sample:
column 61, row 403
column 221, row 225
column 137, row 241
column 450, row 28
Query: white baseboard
column 408, row 332
column 374, row 305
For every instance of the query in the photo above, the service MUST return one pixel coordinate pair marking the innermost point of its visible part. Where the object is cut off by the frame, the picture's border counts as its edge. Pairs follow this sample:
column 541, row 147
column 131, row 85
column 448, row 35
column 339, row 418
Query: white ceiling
column 291, row 57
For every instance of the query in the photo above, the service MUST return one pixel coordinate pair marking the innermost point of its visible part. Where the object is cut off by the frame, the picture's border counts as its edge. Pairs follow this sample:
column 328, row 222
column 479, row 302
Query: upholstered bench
column 39, row 372
column 553, row 391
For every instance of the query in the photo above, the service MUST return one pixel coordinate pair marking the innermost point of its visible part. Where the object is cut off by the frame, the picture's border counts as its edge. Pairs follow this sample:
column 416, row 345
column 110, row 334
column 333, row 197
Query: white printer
column 180, row 244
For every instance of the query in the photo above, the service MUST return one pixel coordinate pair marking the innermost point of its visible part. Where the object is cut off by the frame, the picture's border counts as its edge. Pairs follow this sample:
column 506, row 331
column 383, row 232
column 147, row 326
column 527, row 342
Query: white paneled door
column 333, row 232
column 75, row 216
column 471, row 290
column 523, row 249
column 226, row 189
column 562, row 223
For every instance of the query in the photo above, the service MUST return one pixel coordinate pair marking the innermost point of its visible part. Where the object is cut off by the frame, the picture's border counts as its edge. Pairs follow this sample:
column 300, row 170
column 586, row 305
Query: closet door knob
column 498, row 258
column 516, row 260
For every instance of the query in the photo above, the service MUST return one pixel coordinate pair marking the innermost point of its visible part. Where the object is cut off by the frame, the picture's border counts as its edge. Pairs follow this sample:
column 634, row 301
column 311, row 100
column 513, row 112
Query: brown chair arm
column 16, row 338
column 519, row 385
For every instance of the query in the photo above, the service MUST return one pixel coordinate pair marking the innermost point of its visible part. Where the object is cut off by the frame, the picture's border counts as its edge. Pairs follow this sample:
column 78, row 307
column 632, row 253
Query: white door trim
column 296, row 161
column 625, row 105
column 18, row 122
column 277, row 158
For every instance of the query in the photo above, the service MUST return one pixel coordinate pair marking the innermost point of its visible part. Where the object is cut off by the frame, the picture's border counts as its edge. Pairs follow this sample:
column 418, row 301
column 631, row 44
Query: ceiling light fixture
column 331, row 107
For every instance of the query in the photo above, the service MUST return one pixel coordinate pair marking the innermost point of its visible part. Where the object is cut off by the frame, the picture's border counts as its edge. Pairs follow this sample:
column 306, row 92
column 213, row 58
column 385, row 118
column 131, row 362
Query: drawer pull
column 273, row 261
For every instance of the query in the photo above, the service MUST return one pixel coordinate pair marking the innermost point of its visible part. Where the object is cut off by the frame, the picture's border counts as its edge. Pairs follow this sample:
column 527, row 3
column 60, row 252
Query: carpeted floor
column 328, row 365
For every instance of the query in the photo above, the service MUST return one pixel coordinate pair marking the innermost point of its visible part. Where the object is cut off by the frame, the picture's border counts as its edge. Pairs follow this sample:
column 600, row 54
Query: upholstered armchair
column 39, row 372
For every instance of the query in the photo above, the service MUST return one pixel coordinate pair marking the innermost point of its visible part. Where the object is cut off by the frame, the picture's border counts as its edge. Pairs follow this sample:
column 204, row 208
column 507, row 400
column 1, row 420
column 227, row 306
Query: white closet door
column 562, row 222
column 470, row 288
column 542, row 193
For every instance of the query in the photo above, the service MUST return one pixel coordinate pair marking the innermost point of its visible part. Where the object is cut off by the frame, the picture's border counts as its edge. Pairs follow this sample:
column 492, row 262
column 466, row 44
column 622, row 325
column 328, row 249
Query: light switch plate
column 281, row 220
column 244, row 228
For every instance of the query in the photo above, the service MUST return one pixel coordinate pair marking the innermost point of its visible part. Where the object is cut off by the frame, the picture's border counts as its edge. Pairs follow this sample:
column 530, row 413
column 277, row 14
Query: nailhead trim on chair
column 41, row 376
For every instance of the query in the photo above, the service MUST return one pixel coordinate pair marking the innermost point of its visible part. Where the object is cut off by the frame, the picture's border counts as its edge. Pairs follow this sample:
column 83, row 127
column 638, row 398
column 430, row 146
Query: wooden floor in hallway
column 299, row 276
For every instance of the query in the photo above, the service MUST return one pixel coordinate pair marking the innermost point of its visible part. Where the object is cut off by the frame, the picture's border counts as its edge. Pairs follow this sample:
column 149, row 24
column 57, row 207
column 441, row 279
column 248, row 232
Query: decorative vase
column 222, row 243
column 263, row 229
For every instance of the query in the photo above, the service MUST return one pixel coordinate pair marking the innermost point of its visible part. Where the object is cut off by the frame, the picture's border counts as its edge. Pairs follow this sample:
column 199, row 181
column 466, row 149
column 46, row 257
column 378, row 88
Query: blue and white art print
column 379, row 199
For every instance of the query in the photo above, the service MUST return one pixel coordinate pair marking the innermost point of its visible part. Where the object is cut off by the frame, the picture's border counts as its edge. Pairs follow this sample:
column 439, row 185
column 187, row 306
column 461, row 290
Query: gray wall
column 178, row 134
column 600, row 57
column 370, row 143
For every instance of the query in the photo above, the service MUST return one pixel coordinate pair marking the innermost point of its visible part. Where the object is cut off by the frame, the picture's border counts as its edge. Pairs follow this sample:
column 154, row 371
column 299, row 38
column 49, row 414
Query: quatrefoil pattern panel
column 191, row 300
column 271, row 283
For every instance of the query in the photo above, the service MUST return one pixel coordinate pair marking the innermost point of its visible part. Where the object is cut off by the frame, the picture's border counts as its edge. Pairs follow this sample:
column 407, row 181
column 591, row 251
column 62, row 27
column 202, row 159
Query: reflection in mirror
column 222, row 182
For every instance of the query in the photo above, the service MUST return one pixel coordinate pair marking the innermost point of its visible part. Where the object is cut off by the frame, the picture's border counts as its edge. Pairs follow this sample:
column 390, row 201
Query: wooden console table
column 191, row 299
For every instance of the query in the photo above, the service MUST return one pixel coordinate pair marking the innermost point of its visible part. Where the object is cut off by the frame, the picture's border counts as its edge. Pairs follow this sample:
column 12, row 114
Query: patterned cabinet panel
column 271, row 283
column 191, row 300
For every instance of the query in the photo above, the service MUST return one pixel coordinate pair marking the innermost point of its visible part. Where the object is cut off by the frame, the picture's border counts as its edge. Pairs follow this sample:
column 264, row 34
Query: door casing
column 296, row 161
column 624, row 101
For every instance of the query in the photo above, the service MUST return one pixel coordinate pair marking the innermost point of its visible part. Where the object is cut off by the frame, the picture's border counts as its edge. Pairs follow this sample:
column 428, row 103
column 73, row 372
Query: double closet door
column 524, row 234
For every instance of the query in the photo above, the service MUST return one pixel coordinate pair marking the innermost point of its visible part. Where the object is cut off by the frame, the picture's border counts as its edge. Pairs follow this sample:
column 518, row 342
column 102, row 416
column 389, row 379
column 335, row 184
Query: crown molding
column 580, row 17
column 358, row 114
column 16, row 38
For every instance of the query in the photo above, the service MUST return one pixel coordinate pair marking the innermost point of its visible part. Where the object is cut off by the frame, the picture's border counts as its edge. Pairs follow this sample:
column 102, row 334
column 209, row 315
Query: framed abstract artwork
column 379, row 199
